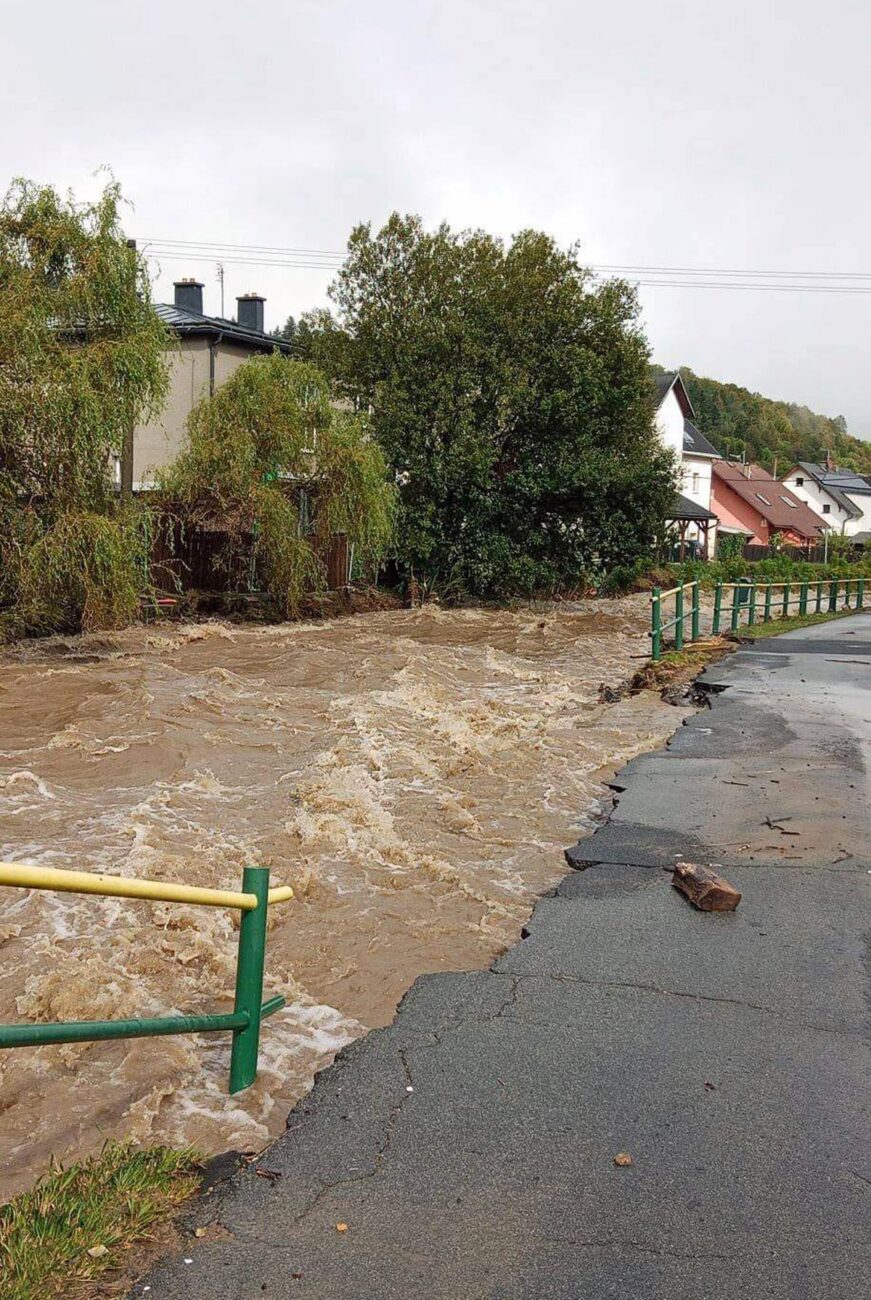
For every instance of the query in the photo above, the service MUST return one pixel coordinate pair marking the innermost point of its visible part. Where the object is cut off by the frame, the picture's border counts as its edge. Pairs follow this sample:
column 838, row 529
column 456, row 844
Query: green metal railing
column 779, row 599
column 248, row 1012
column 682, row 616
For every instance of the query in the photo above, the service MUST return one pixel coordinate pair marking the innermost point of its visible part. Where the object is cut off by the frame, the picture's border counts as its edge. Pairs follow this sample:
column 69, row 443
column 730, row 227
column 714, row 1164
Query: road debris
column 623, row 1160
column 704, row 888
column 341, row 1227
column 774, row 823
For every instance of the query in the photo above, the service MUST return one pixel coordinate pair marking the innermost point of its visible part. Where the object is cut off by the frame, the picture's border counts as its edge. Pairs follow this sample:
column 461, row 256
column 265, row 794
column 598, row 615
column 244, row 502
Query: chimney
column 830, row 464
column 249, row 311
column 189, row 295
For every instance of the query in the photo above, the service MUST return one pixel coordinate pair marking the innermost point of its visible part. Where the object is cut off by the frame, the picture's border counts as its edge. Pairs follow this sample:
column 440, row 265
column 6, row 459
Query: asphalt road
column 469, row 1148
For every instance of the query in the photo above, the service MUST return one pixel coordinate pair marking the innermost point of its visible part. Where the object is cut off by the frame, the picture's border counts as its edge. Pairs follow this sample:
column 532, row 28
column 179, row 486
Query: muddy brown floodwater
column 415, row 775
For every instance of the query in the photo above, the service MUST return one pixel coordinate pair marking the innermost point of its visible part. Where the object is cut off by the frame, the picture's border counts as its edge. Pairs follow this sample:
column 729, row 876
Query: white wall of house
column 808, row 490
column 695, row 471
column 669, row 424
column 697, row 479
column 863, row 524
column 157, row 443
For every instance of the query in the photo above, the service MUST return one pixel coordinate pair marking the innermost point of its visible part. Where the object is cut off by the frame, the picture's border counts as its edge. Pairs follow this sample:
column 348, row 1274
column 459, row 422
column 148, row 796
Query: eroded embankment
column 415, row 775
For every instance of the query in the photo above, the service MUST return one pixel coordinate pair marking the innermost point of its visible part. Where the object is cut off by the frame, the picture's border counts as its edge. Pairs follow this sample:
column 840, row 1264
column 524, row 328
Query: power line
column 248, row 248
column 160, row 255
column 596, row 266
column 757, row 288
column 711, row 270
column 643, row 276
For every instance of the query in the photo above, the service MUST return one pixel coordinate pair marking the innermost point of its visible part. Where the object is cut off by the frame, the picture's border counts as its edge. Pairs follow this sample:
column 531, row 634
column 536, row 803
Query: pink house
column 747, row 499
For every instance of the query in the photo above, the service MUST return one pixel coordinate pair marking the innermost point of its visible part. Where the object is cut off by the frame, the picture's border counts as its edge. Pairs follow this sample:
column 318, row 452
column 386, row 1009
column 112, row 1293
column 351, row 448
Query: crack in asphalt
column 675, row 993
column 436, row 1038
column 382, row 1148
column 647, row 1248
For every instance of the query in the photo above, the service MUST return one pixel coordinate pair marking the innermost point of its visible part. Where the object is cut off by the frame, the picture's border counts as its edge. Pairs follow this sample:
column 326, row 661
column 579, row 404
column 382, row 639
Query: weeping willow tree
column 81, row 360
column 272, row 465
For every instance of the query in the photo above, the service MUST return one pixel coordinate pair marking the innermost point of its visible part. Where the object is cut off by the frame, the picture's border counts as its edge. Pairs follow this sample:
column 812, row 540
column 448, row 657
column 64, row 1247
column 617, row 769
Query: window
column 799, row 482
column 695, row 482
column 762, row 498
column 793, row 505
column 827, row 510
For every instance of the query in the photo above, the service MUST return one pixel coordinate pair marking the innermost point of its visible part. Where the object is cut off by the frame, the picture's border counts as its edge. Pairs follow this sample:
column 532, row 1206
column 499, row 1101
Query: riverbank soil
column 414, row 774
column 471, row 1149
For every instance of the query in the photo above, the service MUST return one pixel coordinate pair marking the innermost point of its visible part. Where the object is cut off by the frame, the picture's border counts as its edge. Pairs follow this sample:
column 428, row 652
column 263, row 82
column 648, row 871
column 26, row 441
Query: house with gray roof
column 692, row 518
column 205, row 351
column 841, row 496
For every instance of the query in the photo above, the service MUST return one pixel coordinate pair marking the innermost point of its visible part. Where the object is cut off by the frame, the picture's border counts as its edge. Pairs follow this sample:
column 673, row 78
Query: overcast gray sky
column 727, row 134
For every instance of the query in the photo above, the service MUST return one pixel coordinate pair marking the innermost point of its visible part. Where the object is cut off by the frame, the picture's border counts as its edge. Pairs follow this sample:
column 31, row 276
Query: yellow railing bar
column 672, row 590
column 760, row 586
column 88, row 882
column 281, row 894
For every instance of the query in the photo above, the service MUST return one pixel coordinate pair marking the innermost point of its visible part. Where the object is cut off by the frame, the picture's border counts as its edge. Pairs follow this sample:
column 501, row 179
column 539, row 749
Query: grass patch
column 778, row 625
column 74, row 1224
column 680, row 667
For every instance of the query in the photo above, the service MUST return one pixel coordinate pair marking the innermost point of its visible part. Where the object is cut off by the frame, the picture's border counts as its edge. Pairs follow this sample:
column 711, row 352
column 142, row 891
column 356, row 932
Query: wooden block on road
column 704, row 888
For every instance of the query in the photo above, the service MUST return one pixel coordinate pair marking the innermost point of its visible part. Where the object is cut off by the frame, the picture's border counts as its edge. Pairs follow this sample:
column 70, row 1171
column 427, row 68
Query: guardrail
column 812, row 598
column 248, row 1011
column 660, row 626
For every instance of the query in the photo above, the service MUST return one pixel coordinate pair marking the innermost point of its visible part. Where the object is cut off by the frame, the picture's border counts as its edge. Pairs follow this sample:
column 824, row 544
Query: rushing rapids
column 415, row 775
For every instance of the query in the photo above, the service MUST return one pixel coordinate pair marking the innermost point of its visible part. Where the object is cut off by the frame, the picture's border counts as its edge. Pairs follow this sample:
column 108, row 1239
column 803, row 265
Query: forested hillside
column 737, row 421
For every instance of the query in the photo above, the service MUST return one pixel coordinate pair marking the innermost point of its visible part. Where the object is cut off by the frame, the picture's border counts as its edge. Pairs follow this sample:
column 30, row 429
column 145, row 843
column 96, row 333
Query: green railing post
column 860, row 593
column 678, row 614
column 697, row 610
column 819, row 596
column 766, row 615
column 736, row 609
column 751, row 613
column 833, row 595
column 249, row 979
column 656, row 623
column 718, row 607
column 802, row 599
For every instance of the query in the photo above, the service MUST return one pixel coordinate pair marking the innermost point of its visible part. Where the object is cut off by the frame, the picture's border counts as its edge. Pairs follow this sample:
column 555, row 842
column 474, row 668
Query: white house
column 205, row 353
column 841, row 496
column 693, row 518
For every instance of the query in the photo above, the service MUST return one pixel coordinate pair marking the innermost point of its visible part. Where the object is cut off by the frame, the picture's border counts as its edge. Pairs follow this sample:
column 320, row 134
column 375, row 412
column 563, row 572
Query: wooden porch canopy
column 685, row 512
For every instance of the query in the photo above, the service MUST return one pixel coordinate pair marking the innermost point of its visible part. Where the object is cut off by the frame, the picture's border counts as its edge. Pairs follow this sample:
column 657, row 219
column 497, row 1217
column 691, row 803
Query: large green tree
column 510, row 392
column 82, row 358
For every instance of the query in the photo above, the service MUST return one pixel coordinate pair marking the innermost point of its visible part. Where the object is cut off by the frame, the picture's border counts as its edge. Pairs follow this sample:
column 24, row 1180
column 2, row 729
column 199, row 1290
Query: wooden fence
column 184, row 558
column 813, row 554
